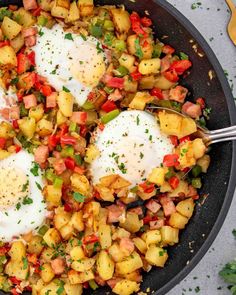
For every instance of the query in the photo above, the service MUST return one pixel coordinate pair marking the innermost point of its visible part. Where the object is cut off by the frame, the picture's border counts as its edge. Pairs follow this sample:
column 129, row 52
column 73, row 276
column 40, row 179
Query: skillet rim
column 232, row 115
column 174, row 12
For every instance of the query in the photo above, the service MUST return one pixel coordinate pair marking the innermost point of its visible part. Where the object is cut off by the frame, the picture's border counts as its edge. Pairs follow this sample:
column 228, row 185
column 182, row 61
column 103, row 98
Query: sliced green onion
column 88, row 105
column 43, row 229
column 121, row 72
column 119, row 45
column 96, row 31
column 197, row 170
column 72, row 127
column 42, row 21
column 108, row 25
column 68, row 152
column 108, row 90
column 78, row 160
column 58, row 182
column 110, row 116
column 169, row 174
column 50, row 175
column 93, row 285
column 157, row 50
column 196, row 182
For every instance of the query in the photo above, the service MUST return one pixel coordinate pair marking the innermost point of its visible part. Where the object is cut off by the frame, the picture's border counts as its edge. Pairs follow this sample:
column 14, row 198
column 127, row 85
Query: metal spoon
column 232, row 22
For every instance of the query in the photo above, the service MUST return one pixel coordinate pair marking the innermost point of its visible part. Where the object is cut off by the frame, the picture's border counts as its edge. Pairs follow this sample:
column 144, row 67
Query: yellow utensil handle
column 231, row 4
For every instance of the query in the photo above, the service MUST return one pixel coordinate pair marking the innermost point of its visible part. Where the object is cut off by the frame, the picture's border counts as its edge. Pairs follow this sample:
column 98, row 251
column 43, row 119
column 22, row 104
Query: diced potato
column 125, row 287
column 188, row 127
column 44, row 127
column 53, row 195
column 4, row 154
column 204, row 163
column 80, row 183
column 86, row 7
column 163, row 83
column 140, row 245
column 52, row 237
column 186, row 207
column 63, row 3
column 169, row 235
column 130, row 86
column 77, row 253
column 131, row 44
column 35, row 245
column 83, row 264
column 47, row 254
column 149, row 66
column 46, row 5
column 37, row 287
column 116, row 253
column 27, row 126
column 77, row 221
column 186, row 155
column 147, row 82
column 121, row 20
column 156, row 256
column 73, row 289
column 65, row 102
column 129, row 264
column 170, row 123
column 6, row 130
column 24, row 17
column 104, row 232
column 105, row 266
column 157, row 176
column 36, row 112
column 51, row 289
column 47, row 273
column 182, row 188
column 16, row 268
column 10, row 28
column 166, row 188
column 108, row 180
column 17, row 251
column 17, row 43
column 76, row 278
column 106, row 194
column 58, row 11
column 61, row 218
column 199, row 148
column 66, row 231
column 126, row 60
column 120, row 183
column 8, row 56
column 60, row 118
column 131, row 223
column 178, row 221
column 153, row 237
column 140, row 100
column 74, row 14
column 92, row 153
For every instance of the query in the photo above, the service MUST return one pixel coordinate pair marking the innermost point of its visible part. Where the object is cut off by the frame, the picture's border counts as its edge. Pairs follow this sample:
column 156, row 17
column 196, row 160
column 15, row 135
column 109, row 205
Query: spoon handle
column 231, row 4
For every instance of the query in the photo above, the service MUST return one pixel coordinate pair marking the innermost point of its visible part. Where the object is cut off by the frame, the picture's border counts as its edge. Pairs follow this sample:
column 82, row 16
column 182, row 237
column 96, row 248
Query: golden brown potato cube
column 47, row 273
column 10, row 28
column 106, row 194
column 74, row 14
column 51, row 289
column 120, row 183
column 186, row 207
column 108, row 180
column 204, row 163
column 60, row 118
column 169, row 235
column 164, row 84
column 105, row 266
column 17, row 268
column 131, row 223
column 77, row 253
column 37, row 112
column 73, row 289
column 92, row 153
column 186, row 155
column 63, row 3
column 73, row 277
column 199, row 148
column 86, row 7
column 170, row 123
column 130, row 86
column 66, row 232
column 150, row 66
column 27, row 126
column 35, row 245
column 24, row 17
column 140, row 245
column 121, row 20
column 104, row 232
column 125, row 287
column 53, row 195
column 52, row 237
column 8, row 56
column 58, row 11
column 61, row 218
column 17, row 251
column 65, row 102
column 140, row 100
column 129, row 264
column 126, row 60
column 116, row 254
column 156, row 256
column 77, row 221
column 44, row 127
column 80, row 183
column 82, row 265
column 18, row 42
column 157, row 176
column 85, row 277
column 188, row 127
column 147, row 82
column 153, row 237
column 178, row 221
column 180, row 190
column 47, row 254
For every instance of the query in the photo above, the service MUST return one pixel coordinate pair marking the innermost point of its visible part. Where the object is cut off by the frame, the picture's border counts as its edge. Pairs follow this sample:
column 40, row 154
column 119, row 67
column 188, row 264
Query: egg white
column 15, row 221
column 77, row 63
column 131, row 145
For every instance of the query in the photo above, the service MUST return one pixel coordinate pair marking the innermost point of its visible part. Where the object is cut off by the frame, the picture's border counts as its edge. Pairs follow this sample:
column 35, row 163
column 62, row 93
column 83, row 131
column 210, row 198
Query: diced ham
column 79, row 117
column 112, row 282
column 156, row 224
column 178, row 93
column 116, row 95
column 56, row 155
column 168, row 205
column 106, row 78
column 30, row 41
column 99, row 281
column 166, row 94
column 5, row 112
column 114, row 213
column 137, row 210
column 59, row 166
column 108, row 55
column 41, row 154
column 58, row 266
column 165, row 63
column 51, row 100
column 14, row 113
column 27, row 32
column 153, row 206
column 30, row 4
column 192, row 110
column 30, row 101
column 126, row 246
column 50, row 214
column 192, row 191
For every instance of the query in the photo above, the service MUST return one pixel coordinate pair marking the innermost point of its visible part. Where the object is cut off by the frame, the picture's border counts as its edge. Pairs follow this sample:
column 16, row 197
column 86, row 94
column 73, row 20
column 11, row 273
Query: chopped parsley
column 27, row 201
column 108, row 39
column 138, row 49
column 35, row 169
column 38, row 186
column 25, row 186
column 68, row 36
column 183, row 56
column 25, row 262
column 48, row 291
column 98, row 47
column 41, row 33
column 18, row 205
column 141, row 155
column 79, row 197
column 196, row 5
column 65, row 89
column 60, row 290
column 122, row 168
column 234, row 233
column 207, row 112
column 96, row 246
column 83, row 37
column 14, row 81
column 137, row 120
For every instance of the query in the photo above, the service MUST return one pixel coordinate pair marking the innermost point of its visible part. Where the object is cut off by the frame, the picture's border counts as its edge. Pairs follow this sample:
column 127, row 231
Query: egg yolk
column 14, row 187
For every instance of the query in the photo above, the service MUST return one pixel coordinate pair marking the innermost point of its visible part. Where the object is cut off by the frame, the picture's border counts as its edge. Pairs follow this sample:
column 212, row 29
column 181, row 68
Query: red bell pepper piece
column 115, row 82
column 157, row 92
column 83, row 130
column 53, row 141
column 171, row 160
column 23, row 63
column 4, row 250
column 167, row 49
column 70, row 163
column 4, row 43
column 149, row 218
column 90, row 239
column 20, row 95
column 174, row 140
column 136, row 76
column 36, row 12
column 174, row 182
column 15, row 124
column 63, row 129
column 146, row 21
column 31, row 58
column 17, row 148
column 180, row 66
column 108, row 106
column 79, row 170
column 147, row 187
column 136, row 24
column 67, row 207
column 2, row 142
column 201, row 102
column 68, row 140
column 46, row 90
column 184, row 139
column 14, row 280
column 171, row 75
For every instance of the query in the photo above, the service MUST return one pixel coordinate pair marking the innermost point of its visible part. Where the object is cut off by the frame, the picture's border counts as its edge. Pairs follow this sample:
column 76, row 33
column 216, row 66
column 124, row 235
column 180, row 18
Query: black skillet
column 220, row 181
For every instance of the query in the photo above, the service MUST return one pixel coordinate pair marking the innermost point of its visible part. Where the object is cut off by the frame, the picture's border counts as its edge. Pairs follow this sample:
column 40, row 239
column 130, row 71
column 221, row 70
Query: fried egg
column 22, row 207
column 131, row 145
column 69, row 61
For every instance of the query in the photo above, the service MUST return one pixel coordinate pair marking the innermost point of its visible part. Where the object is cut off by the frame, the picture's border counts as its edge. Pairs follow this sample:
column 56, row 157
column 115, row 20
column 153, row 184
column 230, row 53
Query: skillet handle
column 10, row 2
column 230, row 4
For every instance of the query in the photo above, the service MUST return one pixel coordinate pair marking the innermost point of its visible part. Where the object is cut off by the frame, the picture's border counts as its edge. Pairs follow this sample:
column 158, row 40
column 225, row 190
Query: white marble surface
column 211, row 19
